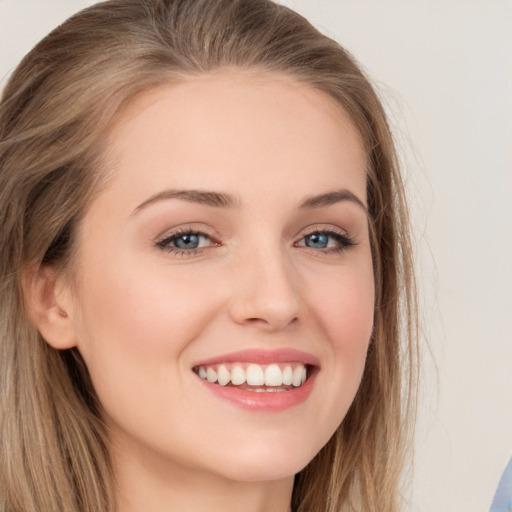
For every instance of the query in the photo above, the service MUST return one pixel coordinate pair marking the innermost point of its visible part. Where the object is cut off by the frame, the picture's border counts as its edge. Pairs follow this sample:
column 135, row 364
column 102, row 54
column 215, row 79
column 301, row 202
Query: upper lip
column 260, row 356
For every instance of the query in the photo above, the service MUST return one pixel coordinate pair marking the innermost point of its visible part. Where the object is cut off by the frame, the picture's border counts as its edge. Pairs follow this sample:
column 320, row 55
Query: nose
column 265, row 292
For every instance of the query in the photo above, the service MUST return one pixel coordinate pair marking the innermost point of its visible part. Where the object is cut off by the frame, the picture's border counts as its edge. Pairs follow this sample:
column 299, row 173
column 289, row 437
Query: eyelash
column 343, row 241
column 165, row 243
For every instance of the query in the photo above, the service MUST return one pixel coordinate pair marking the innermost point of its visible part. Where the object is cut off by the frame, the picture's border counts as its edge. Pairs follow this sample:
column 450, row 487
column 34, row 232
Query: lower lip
column 263, row 401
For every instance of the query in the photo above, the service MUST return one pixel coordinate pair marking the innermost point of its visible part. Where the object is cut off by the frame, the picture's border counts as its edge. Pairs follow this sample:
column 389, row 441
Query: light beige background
column 444, row 70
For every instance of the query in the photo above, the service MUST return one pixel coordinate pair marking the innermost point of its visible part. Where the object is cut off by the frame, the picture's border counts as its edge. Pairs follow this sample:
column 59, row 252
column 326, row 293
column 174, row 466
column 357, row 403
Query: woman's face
column 230, row 243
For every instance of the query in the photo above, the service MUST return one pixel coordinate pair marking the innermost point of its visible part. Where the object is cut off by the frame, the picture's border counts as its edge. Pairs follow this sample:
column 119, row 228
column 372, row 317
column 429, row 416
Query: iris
column 187, row 241
column 317, row 240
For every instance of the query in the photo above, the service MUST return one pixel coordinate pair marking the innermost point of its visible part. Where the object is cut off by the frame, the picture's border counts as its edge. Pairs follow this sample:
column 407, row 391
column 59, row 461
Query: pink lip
column 266, row 401
column 259, row 356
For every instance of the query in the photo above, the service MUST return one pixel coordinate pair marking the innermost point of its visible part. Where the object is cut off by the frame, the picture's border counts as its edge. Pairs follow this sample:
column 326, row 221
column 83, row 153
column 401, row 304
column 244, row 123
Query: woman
column 206, row 272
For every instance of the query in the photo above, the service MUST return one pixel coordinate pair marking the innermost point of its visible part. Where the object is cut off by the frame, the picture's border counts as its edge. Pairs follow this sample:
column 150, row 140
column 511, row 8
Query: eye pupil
column 317, row 240
column 188, row 241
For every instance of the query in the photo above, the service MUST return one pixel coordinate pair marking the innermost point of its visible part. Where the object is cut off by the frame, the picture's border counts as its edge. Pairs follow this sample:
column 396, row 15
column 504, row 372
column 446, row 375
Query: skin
column 142, row 316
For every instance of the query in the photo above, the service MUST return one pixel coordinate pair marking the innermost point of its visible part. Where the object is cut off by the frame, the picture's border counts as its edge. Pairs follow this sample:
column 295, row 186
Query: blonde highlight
column 54, row 113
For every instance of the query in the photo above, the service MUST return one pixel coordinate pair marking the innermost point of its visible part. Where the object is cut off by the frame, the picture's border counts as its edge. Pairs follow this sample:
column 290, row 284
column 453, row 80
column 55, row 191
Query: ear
column 49, row 305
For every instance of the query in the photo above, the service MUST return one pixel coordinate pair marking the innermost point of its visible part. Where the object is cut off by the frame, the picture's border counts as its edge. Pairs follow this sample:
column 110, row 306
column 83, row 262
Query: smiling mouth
column 274, row 377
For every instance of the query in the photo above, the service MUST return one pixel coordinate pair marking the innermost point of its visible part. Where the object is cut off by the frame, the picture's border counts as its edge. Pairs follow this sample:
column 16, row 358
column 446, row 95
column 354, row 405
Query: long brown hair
column 54, row 110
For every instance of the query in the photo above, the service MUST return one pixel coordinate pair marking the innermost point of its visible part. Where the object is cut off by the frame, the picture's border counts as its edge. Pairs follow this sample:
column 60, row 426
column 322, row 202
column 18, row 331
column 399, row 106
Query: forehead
column 231, row 128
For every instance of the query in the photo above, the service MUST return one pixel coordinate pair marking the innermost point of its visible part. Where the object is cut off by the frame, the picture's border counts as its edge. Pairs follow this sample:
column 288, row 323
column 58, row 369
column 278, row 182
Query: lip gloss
column 271, row 401
column 259, row 356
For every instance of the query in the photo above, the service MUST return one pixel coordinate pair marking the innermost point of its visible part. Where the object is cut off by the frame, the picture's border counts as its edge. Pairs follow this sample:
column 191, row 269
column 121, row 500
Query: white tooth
column 211, row 375
column 255, row 375
column 304, row 375
column 297, row 375
column 202, row 372
column 223, row 375
column 273, row 375
column 287, row 375
column 237, row 375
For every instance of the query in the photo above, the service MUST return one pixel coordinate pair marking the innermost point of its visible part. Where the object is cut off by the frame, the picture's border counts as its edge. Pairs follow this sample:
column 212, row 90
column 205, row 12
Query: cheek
column 136, row 320
column 343, row 302
column 132, row 301
column 136, row 324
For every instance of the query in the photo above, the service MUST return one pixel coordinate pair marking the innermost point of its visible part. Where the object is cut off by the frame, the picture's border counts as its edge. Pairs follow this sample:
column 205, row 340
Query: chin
column 266, row 462
column 258, row 472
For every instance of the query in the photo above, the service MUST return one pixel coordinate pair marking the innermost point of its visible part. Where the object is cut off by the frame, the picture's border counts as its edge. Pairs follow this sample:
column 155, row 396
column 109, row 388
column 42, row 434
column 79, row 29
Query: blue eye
column 317, row 240
column 190, row 241
column 326, row 241
column 185, row 242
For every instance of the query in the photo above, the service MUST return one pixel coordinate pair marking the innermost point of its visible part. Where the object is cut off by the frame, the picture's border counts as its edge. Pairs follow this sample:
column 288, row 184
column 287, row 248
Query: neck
column 156, row 485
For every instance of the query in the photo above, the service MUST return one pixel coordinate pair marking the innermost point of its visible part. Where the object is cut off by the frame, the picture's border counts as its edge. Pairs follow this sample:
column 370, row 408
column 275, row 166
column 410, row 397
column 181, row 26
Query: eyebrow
column 330, row 198
column 224, row 200
column 215, row 199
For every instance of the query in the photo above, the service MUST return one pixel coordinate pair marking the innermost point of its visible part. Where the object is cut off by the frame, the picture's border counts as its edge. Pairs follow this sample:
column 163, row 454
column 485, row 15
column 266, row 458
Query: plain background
column 444, row 72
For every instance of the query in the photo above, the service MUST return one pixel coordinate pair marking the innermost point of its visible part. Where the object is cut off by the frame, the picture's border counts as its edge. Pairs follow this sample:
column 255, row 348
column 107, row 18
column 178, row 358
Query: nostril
column 271, row 322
